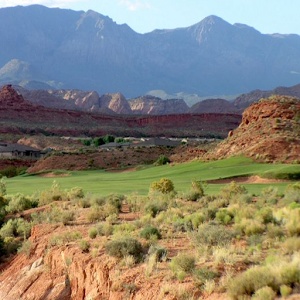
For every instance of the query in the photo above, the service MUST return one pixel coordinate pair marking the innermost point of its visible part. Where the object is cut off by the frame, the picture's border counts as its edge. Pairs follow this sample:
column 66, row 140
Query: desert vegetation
column 233, row 243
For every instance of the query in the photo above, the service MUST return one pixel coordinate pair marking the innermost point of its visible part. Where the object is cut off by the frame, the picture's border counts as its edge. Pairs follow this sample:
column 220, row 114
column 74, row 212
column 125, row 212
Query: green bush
column 264, row 293
column 162, row 160
column 164, row 185
column 223, row 216
column 115, row 201
column 67, row 217
column 183, row 263
column 285, row 290
column 84, row 245
column 124, row 247
column 16, row 227
column 93, row 232
column 202, row 275
column 154, row 208
column 150, row 231
column 19, row 202
column 159, row 252
column 75, row 193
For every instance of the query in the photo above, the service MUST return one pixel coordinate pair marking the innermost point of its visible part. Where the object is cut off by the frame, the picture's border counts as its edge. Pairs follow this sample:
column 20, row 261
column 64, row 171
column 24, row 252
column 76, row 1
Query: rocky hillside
column 149, row 105
column 270, row 131
column 213, row 106
column 18, row 116
column 90, row 51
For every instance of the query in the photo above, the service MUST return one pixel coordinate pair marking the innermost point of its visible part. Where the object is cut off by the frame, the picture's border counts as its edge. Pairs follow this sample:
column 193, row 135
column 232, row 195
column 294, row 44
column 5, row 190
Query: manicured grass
column 103, row 182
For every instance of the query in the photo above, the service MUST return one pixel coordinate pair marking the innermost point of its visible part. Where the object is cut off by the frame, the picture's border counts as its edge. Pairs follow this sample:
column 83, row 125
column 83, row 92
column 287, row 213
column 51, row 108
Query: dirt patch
column 53, row 175
column 246, row 179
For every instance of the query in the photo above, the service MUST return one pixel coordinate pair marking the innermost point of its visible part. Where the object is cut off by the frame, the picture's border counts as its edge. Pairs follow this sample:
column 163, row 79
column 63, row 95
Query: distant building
column 155, row 142
column 19, row 151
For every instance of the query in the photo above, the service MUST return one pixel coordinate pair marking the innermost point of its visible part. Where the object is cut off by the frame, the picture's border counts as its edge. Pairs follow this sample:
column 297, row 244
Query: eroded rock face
column 116, row 102
column 9, row 97
column 149, row 105
column 270, row 131
column 66, row 273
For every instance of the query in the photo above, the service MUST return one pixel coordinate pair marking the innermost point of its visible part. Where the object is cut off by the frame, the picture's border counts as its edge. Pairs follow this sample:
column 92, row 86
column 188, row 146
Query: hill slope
column 89, row 51
column 270, row 131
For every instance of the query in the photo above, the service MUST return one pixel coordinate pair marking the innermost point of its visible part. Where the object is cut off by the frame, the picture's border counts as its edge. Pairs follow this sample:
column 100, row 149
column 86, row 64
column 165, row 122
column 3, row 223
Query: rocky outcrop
column 115, row 102
column 150, row 105
column 18, row 115
column 213, row 106
column 270, row 131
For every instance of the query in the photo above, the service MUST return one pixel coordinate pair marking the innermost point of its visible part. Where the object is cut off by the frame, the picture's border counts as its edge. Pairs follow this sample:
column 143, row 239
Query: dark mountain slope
column 88, row 51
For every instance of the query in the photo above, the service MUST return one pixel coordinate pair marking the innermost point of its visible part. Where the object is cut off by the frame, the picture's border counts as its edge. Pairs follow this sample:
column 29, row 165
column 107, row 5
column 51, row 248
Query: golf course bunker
column 246, row 179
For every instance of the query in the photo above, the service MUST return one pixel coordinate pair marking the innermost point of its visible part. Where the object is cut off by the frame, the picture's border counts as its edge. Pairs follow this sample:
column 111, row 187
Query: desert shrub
column 96, row 214
column 19, row 202
column 183, row 263
column 292, row 192
column 67, row 217
column 264, row 293
column 126, row 227
column 232, row 190
column 115, row 201
column 149, row 231
column 67, row 237
column 164, row 186
column 265, row 214
column 55, row 193
column 75, row 193
column 197, row 187
column 224, row 216
column 291, row 245
column 84, row 202
column 250, row 281
column 202, row 275
column 125, row 246
column 273, row 276
column 191, row 196
column 98, row 201
column 84, row 245
column 153, row 208
column 274, row 231
column 93, row 232
column 2, row 187
column 23, row 228
column 213, row 235
column 292, row 222
column 158, row 252
column 26, row 248
column 16, row 227
column 250, row 227
column 162, row 160
column 269, row 195
column 285, row 290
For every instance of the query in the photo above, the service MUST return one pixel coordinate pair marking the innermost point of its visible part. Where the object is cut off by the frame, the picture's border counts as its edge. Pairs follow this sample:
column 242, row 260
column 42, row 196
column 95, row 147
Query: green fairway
column 103, row 182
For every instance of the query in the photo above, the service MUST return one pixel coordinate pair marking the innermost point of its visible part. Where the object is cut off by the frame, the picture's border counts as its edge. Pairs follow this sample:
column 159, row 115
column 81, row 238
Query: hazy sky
column 267, row 16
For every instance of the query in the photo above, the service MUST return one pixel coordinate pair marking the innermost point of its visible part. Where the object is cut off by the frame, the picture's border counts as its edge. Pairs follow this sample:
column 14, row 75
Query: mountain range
column 44, row 48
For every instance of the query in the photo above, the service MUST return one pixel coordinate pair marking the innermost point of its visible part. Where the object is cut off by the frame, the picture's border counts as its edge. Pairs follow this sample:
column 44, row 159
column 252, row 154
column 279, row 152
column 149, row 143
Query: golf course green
column 100, row 182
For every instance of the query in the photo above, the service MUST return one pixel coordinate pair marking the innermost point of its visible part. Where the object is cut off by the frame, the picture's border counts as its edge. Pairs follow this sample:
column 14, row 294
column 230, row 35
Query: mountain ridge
column 89, row 51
